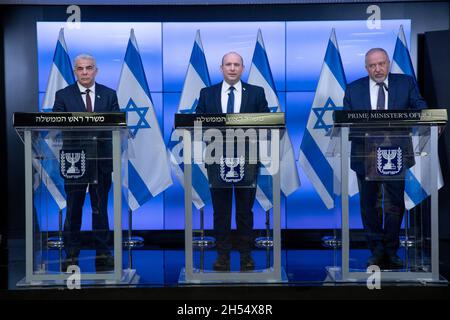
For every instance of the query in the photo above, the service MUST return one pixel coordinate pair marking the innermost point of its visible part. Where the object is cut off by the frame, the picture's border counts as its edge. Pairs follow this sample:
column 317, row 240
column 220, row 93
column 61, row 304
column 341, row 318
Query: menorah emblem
column 389, row 155
column 389, row 160
column 73, row 157
column 232, row 163
column 228, row 171
column 72, row 164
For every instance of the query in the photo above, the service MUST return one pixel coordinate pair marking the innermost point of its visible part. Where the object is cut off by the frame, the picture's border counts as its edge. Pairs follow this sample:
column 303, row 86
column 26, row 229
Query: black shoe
column 375, row 260
column 104, row 263
column 247, row 263
column 70, row 261
column 394, row 262
column 222, row 263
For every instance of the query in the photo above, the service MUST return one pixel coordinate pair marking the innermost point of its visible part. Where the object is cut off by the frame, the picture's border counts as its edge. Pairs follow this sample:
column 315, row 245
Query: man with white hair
column 382, row 90
column 88, row 96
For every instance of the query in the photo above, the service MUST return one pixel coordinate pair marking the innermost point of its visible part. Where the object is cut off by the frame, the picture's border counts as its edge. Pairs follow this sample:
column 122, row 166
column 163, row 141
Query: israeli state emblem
column 232, row 169
column 72, row 164
column 389, row 161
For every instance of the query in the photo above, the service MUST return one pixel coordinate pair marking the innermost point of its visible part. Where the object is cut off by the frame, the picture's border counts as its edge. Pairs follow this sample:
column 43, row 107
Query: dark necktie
column 88, row 101
column 230, row 104
column 381, row 96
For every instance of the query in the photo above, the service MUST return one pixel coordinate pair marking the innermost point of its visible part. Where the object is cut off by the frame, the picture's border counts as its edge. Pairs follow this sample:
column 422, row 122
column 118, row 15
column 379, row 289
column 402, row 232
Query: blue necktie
column 381, row 96
column 230, row 104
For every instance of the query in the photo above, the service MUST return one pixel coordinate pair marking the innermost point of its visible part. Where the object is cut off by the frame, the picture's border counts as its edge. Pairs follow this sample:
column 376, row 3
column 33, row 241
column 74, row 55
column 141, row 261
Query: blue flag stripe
column 199, row 181
column 137, row 185
column 200, row 184
column 198, row 62
column 62, row 62
column 414, row 189
column 51, row 165
column 265, row 184
column 134, row 62
column 334, row 62
column 318, row 161
column 261, row 62
column 401, row 57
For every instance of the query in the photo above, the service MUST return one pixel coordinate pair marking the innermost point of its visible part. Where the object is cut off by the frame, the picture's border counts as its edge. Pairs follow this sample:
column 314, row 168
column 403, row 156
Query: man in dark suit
column 233, row 96
column 381, row 90
column 88, row 96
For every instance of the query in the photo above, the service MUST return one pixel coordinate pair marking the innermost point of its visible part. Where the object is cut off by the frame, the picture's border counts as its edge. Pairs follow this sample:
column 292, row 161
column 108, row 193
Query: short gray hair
column 86, row 56
column 376, row 50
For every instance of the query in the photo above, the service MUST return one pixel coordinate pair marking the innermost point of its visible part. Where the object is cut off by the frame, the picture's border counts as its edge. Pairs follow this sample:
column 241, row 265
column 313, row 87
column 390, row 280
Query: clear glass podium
column 237, row 155
column 390, row 160
column 71, row 158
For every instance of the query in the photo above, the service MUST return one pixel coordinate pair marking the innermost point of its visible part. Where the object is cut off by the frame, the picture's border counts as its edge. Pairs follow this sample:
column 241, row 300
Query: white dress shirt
column 374, row 93
column 91, row 94
column 237, row 96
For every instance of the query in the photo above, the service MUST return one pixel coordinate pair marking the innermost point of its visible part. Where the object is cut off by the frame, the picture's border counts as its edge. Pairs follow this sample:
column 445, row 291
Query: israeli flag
column 328, row 98
column 417, row 186
column 261, row 75
column 61, row 75
column 148, row 170
column 197, row 77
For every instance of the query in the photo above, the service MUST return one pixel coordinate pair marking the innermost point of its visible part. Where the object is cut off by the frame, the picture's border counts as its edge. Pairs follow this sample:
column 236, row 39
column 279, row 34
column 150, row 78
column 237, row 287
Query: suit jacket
column 69, row 100
column 403, row 94
column 253, row 101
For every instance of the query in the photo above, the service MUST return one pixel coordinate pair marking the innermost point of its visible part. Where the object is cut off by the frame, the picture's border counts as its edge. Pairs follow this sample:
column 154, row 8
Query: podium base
column 133, row 242
column 233, row 277
column 55, row 243
column 264, row 242
column 203, row 242
column 129, row 276
column 334, row 274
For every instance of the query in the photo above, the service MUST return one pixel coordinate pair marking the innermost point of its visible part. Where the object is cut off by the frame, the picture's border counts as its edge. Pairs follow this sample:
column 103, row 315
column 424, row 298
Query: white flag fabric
column 261, row 75
column 197, row 77
column 61, row 75
column 328, row 98
column 148, row 170
column 417, row 185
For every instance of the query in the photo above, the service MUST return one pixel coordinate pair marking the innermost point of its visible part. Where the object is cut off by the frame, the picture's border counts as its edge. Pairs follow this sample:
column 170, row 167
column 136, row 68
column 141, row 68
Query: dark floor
column 158, row 272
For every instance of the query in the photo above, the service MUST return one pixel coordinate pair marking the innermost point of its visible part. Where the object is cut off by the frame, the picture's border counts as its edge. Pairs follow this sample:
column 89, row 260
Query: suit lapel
column 366, row 91
column 78, row 99
column 244, row 98
column 218, row 98
column 391, row 93
column 98, row 106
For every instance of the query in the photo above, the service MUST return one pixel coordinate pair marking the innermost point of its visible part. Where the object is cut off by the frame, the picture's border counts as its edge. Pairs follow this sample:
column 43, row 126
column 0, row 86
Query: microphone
column 385, row 87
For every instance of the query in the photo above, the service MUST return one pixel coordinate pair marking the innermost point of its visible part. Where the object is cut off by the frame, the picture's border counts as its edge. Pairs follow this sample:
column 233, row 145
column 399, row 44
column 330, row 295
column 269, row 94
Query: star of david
column 320, row 113
column 141, row 112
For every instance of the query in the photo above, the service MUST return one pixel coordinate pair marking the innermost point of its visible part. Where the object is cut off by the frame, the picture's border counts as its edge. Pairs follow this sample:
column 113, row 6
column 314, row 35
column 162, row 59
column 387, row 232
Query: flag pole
column 132, row 242
column 203, row 241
